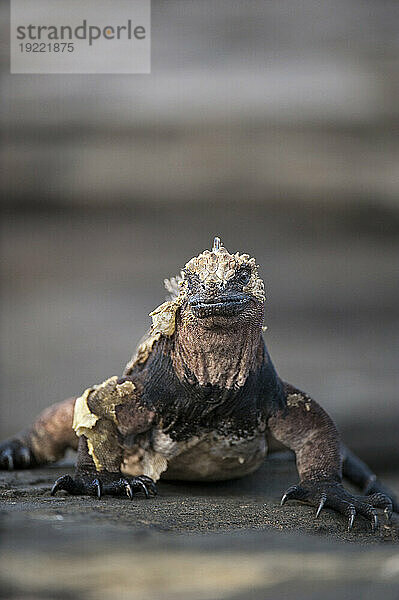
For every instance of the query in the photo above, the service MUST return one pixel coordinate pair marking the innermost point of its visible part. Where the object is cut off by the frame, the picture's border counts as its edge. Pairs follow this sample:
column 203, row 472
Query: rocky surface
column 224, row 540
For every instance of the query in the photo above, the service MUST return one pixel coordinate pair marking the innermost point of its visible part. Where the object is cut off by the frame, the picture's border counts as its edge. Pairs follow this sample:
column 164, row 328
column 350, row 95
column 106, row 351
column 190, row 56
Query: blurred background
column 271, row 124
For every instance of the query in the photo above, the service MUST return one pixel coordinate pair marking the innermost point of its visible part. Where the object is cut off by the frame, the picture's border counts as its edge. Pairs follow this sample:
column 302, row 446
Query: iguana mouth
column 218, row 307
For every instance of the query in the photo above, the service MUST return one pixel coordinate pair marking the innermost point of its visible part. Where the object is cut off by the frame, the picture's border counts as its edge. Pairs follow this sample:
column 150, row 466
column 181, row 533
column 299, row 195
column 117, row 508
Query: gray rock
column 224, row 540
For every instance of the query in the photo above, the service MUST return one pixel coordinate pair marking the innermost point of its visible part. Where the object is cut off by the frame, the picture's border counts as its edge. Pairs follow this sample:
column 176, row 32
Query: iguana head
column 215, row 289
column 213, row 285
column 221, row 284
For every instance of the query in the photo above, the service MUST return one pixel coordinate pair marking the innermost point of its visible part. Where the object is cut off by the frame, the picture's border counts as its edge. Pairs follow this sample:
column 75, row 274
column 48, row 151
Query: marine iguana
column 196, row 402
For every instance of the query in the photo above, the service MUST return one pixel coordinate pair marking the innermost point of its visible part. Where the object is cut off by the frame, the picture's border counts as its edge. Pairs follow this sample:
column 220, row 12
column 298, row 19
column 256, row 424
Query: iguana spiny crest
column 217, row 267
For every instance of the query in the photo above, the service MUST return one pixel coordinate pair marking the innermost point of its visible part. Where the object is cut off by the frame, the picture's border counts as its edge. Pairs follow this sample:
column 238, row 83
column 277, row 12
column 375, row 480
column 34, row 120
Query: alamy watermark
column 90, row 36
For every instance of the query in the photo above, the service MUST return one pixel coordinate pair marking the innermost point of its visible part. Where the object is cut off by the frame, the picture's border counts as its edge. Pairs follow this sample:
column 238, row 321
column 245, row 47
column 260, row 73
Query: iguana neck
column 220, row 357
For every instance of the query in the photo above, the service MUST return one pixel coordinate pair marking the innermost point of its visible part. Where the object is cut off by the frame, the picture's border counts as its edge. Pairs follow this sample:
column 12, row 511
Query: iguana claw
column 322, row 503
column 333, row 495
column 106, row 485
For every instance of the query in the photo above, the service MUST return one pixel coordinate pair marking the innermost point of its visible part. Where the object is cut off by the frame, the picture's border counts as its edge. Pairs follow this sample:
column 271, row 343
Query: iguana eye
column 243, row 277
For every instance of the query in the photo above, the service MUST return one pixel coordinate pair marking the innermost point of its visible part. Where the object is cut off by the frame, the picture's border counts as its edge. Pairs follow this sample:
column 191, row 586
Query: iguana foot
column 333, row 495
column 101, row 485
column 374, row 486
column 14, row 454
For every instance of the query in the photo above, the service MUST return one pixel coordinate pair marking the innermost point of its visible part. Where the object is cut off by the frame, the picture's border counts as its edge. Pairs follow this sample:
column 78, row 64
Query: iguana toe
column 108, row 484
column 333, row 495
column 14, row 454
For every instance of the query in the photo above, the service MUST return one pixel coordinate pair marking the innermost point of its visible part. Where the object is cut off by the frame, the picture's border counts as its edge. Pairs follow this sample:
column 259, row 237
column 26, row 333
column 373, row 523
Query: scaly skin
column 196, row 402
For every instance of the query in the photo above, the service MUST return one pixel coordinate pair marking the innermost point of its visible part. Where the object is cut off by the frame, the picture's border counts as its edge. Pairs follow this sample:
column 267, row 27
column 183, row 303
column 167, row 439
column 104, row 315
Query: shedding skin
column 198, row 401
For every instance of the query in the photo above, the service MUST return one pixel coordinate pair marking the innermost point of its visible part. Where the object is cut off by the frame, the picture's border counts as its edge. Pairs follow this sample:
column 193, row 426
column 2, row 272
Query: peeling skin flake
column 297, row 399
column 83, row 418
column 164, row 318
column 97, row 423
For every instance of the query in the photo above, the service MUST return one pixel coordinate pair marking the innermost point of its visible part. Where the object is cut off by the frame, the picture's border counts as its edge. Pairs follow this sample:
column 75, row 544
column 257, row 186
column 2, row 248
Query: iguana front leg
column 306, row 428
column 88, row 481
column 100, row 452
